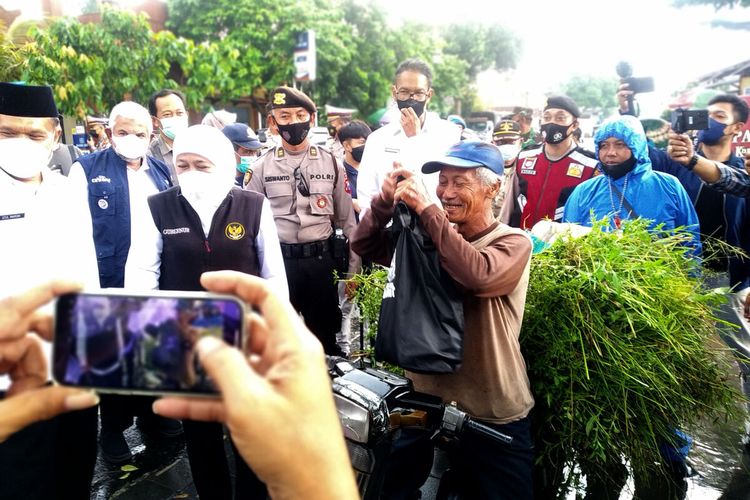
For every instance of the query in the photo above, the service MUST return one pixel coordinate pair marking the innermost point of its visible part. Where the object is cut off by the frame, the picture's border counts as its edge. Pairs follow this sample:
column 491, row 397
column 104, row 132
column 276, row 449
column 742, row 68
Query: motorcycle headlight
column 354, row 418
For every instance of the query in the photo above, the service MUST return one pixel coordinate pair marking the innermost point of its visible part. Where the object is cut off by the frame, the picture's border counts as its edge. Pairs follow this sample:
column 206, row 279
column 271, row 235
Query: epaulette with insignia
column 280, row 153
column 314, row 151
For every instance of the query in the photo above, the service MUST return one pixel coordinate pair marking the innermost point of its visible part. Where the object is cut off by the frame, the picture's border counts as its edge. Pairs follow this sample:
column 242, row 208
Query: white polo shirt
column 390, row 143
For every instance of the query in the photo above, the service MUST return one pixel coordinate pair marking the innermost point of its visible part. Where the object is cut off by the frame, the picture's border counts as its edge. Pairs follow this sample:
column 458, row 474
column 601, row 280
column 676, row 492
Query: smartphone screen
column 140, row 344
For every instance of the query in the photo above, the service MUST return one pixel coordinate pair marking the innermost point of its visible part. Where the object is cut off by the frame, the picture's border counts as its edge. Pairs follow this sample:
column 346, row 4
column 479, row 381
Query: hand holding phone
column 282, row 375
column 21, row 357
column 134, row 343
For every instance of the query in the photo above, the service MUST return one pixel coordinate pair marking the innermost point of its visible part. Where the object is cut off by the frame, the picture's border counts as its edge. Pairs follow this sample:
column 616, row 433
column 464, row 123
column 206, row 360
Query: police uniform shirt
column 300, row 218
column 46, row 234
column 390, row 143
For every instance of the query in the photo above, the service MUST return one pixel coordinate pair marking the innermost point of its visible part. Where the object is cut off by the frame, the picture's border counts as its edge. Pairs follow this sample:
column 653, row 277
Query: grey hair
column 132, row 110
column 487, row 177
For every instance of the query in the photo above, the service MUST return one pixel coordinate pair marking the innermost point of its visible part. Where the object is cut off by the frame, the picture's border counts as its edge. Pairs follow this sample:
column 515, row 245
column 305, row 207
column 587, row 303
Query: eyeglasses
column 418, row 95
column 302, row 186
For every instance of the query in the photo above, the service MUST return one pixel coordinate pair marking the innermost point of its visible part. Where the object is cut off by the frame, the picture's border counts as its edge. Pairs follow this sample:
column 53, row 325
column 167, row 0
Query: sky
column 585, row 37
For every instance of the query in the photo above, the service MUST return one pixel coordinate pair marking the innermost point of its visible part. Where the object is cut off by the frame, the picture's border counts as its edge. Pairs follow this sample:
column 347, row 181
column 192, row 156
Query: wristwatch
column 693, row 161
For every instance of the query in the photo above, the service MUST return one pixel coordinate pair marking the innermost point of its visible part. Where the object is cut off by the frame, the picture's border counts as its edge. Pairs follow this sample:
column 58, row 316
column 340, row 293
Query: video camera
column 689, row 119
column 636, row 85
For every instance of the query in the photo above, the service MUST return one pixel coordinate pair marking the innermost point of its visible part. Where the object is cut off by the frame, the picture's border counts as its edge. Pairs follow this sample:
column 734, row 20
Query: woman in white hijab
column 207, row 224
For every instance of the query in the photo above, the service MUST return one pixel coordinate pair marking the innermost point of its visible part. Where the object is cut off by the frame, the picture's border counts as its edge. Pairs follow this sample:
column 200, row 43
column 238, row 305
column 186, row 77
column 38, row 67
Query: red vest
column 545, row 185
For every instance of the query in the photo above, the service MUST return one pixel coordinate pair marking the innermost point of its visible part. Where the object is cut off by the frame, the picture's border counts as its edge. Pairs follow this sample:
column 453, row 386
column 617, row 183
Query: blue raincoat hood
column 629, row 130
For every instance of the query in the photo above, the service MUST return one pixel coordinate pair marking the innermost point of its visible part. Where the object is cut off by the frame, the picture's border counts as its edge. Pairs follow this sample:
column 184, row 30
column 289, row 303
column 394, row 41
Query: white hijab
column 206, row 191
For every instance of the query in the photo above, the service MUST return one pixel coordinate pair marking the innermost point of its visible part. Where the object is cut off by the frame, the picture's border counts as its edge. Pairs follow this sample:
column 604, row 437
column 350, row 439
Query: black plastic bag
column 421, row 321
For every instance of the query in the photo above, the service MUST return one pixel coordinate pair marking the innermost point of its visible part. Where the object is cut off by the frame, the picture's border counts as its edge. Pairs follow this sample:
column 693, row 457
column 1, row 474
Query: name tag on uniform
column 392, row 150
column 12, row 216
column 526, row 171
column 575, row 170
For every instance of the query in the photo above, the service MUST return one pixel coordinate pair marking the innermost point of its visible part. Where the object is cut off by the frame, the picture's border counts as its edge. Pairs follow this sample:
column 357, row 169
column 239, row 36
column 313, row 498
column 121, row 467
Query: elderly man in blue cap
column 490, row 262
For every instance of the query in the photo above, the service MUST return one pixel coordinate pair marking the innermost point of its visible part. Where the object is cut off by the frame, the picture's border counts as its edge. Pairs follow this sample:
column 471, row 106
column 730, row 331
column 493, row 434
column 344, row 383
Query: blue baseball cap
column 468, row 154
column 242, row 135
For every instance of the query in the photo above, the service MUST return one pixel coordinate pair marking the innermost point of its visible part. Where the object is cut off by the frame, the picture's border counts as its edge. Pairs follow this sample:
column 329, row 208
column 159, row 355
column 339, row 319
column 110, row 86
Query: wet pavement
column 159, row 470
column 720, row 460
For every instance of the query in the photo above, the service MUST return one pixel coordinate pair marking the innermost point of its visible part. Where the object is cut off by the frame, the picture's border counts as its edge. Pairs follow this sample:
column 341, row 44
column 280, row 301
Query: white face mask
column 23, row 158
column 130, row 147
column 172, row 125
column 509, row 151
column 204, row 188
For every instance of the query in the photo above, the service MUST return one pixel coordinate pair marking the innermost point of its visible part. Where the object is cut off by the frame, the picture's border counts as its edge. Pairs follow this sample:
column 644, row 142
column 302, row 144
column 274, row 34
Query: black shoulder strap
column 625, row 202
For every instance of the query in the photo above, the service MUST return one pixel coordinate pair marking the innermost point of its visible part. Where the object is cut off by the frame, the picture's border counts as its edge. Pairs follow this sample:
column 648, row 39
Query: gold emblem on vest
column 234, row 231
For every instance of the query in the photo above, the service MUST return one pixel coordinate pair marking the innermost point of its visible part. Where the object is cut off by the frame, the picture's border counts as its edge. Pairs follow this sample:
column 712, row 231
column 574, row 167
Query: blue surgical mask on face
column 713, row 134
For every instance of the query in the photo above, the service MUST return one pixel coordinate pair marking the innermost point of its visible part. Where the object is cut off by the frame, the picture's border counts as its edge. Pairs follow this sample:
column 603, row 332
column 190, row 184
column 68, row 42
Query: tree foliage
column 222, row 50
column 591, row 93
column 93, row 66
column 357, row 50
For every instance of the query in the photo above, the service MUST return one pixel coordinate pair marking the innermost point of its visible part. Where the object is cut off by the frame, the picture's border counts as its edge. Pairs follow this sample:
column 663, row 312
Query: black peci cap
column 563, row 102
column 287, row 97
column 33, row 101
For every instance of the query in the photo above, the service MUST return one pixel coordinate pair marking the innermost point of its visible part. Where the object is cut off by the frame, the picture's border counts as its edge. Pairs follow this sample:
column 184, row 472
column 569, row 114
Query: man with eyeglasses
column 307, row 191
column 548, row 172
column 411, row 140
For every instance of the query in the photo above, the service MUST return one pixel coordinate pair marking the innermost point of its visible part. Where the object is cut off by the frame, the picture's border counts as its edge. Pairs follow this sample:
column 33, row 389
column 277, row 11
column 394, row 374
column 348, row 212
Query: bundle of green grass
column 621, row 345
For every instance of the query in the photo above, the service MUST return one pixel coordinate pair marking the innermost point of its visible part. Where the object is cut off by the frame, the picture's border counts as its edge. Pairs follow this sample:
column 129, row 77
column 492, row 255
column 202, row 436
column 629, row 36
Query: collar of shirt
column 350, row 171
column 164, row 148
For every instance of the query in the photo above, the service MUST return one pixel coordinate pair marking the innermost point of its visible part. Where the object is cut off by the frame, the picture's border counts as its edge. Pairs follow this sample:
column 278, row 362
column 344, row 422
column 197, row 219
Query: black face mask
column 417, row 106
column 294, row 133
column 554, row 133
column 358, row 152
column 620, row 169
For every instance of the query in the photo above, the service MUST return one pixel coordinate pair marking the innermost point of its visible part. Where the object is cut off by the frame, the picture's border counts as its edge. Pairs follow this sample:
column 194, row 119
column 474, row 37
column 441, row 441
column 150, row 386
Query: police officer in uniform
column 306, row 188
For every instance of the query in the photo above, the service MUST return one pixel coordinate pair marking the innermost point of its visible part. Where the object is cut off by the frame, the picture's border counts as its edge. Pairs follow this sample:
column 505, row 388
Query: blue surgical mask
column 713, row 134
column 245, row 163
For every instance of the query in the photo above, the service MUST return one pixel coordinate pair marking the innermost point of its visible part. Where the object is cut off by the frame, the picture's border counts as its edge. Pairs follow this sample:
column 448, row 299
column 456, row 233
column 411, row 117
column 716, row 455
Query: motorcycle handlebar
column 487, row 432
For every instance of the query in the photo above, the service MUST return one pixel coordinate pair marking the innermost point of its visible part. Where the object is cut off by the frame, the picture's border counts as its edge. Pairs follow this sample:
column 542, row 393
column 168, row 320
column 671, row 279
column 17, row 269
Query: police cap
column 287, row 97
column 507, row 129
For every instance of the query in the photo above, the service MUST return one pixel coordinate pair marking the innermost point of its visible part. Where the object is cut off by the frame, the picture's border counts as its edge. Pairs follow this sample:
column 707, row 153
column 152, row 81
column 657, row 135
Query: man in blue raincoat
column 629, row 188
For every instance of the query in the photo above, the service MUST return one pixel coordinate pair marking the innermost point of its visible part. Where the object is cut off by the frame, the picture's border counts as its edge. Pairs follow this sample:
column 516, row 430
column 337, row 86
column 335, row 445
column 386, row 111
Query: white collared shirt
column 46, row 234
column 390, row 143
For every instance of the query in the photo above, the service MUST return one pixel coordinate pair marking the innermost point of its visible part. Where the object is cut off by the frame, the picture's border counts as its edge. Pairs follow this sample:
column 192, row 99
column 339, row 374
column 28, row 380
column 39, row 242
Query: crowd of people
column 158, row 204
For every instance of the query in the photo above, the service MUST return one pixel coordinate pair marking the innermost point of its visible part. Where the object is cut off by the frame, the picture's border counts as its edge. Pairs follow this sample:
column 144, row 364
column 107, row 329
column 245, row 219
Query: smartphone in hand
column 141, row 343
